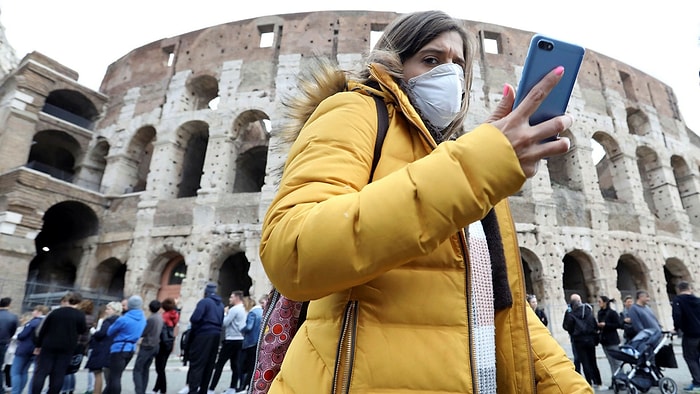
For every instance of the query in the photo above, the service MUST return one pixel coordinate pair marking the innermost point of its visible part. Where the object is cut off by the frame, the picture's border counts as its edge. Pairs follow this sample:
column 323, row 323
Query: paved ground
column 177, row 374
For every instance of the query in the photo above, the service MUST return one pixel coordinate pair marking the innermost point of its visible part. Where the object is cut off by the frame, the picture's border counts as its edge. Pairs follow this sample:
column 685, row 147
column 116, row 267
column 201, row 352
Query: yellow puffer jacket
column 383, row 262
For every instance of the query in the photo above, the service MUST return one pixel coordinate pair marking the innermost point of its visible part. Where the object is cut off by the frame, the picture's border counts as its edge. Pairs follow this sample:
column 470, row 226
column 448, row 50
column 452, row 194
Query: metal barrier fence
column 30, row 294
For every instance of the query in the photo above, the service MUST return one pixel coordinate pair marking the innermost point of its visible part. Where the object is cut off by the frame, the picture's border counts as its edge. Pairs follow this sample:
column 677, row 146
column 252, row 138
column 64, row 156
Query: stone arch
column 233, row 274
column 675, row 271
column 170, row 269
column 632, row 275
column 139, row 154
column 637, row 122
column 250, row 170
column 685, row 184
column 71, row 106
column 578, row 276
column 60, row 245
column 610, row 168
column 109, row 276
column 252, row 135
column 56, row 153
column 650, row 173
column 193, row 137
column 202, row 90
column 533, row 272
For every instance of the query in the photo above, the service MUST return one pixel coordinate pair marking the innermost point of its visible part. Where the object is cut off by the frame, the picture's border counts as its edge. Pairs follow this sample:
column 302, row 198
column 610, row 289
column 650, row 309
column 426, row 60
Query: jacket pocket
column 345, row 355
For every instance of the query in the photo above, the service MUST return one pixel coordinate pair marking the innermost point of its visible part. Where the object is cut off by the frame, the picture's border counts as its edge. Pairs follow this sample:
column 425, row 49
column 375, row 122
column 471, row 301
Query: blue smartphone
column 544, row 54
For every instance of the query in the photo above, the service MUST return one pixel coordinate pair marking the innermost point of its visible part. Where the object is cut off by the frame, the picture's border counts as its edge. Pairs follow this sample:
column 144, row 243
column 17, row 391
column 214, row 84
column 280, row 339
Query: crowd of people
column 59, row 341
column 587, row 330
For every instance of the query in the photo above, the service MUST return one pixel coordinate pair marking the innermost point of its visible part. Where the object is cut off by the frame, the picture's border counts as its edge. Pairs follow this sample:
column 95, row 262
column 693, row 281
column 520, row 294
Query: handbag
column 74, row 364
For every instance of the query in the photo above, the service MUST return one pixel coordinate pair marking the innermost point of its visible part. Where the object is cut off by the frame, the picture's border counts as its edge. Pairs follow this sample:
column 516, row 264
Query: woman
column 608, row 324
column 24, row 354
column 125, row 332
column 366, row 255
column 532, row 300
column 171, row 317
column 250, row 332
column 100, row 342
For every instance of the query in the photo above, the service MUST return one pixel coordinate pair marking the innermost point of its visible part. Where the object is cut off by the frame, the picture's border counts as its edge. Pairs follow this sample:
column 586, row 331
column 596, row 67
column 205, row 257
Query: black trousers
column 203, row 351
column 230, row 352
column 164, row 351
column 117, row 364
column 585, row 351
column 53, row 365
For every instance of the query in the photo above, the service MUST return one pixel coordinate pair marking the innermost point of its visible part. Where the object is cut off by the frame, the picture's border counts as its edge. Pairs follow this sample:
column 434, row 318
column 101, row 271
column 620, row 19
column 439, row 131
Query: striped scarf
column 489, row 292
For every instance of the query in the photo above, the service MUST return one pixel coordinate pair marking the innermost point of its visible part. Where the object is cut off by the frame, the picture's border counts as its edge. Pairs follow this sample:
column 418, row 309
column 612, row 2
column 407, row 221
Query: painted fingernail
column 506, row 89
column 559, row 70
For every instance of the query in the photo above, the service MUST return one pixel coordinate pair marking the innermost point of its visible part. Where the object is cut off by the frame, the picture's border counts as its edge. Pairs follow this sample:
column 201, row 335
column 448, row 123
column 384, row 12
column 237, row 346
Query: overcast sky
column 660, row 38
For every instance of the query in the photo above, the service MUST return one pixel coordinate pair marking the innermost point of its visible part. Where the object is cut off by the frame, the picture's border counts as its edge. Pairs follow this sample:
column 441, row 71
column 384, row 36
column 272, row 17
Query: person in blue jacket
column 205, row 336
column 251, row 333
column 125, row 332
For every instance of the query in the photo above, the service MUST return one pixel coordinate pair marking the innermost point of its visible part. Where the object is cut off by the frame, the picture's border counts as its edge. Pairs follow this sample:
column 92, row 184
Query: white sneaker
column 184, row 390
column 211, row 392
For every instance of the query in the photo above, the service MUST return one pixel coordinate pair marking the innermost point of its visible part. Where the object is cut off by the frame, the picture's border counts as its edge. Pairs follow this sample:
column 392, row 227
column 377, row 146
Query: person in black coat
column 56, row 343
column 608, row 324
column 100, row 343
column 581, row 325
column 686, row 319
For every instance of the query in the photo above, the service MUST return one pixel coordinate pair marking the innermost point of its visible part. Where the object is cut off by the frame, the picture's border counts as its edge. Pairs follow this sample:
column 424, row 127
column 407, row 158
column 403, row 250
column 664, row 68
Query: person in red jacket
column 171, row 318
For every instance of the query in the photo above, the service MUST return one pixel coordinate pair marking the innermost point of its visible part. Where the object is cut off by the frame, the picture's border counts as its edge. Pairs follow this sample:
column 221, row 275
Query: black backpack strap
column 382, row 127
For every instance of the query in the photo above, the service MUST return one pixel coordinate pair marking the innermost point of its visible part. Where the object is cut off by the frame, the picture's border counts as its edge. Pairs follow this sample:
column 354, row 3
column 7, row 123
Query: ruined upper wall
column 205, row 51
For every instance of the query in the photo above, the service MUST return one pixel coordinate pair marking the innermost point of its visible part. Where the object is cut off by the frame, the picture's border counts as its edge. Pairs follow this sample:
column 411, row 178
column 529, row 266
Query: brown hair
column 168, row 304
column 407, row 34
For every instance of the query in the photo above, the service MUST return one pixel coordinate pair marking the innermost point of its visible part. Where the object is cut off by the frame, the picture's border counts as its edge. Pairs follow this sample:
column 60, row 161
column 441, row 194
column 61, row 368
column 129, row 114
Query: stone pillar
column 16, row 138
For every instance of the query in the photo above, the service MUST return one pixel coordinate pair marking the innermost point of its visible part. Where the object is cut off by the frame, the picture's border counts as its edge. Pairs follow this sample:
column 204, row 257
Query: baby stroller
column 643, row 360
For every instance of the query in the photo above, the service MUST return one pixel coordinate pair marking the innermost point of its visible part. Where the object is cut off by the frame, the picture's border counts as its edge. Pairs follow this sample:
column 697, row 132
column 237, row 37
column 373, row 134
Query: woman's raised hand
column 527, row 141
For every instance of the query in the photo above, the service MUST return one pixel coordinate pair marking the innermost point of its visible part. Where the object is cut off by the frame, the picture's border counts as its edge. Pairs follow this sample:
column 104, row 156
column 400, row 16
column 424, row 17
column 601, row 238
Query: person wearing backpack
column 434, row 219
column 582, row 326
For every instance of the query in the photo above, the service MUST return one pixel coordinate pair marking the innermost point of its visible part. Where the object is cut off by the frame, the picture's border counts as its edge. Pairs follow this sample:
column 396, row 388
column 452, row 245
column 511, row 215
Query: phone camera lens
column 546, row 45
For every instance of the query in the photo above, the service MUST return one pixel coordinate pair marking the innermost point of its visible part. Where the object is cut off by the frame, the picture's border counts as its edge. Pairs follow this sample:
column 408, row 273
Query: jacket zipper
column 467, row 272
column 345, row 355
column 523, row 305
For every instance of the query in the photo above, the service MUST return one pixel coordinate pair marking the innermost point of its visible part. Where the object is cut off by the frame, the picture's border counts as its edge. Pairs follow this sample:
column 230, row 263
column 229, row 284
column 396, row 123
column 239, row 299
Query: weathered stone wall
column 647, row 232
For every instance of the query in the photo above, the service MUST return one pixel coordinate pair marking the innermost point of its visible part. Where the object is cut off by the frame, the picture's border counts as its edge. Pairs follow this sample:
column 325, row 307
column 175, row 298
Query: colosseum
column 157, row 183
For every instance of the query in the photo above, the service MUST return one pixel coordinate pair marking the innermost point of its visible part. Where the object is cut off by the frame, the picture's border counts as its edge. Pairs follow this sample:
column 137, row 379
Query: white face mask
column 438, row 93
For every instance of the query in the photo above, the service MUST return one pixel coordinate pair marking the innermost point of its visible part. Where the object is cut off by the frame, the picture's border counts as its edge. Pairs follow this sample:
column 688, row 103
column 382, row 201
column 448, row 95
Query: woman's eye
column 432, row 61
